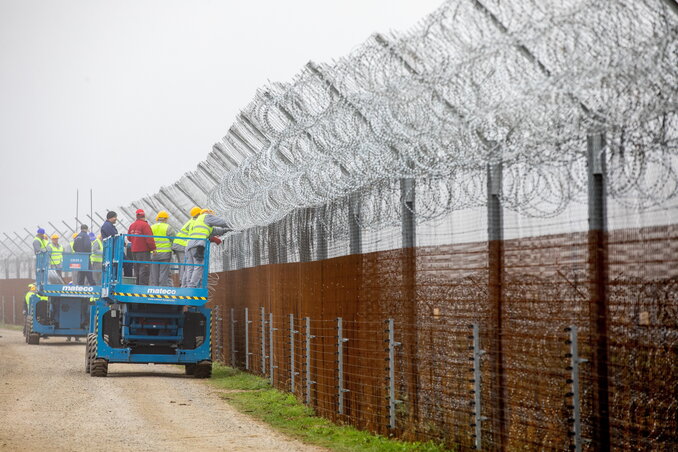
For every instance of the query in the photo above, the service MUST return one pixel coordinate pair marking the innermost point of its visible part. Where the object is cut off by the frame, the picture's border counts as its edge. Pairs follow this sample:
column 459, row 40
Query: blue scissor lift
column 132, row 323
column 58, row 309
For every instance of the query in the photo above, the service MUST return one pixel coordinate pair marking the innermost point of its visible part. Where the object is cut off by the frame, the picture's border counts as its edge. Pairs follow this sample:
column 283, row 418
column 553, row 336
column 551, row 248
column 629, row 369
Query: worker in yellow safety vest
column 206, row 226
column 96, row 258
column 163, row 250
column 71, row 244
column 179, row 244
column 56, row 254
column 32, row 290
column 40, row 242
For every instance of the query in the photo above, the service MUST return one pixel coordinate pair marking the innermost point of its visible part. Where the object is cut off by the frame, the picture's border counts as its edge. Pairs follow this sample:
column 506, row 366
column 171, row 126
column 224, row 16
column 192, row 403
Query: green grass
column 254, row 396
column 9, row 326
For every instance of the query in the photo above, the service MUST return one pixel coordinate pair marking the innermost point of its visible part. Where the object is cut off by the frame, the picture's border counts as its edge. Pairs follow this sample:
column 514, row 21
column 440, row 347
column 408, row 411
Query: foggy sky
column 125, row 96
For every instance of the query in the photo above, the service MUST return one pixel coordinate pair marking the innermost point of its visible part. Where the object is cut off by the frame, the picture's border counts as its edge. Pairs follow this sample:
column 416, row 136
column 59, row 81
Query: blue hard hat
column 92, row 236
column 41, row 231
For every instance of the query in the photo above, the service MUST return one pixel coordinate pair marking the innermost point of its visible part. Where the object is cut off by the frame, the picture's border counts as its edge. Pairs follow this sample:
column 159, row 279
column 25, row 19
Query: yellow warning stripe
column 71, row 293
column 148, row 295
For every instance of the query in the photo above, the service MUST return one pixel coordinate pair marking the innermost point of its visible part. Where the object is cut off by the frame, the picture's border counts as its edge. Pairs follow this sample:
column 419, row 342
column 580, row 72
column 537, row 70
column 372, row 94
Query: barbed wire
column 474, row 83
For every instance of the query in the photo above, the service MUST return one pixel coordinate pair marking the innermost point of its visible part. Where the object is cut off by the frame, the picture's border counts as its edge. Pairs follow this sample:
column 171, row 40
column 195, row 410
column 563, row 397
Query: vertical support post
column 340, row 364
column 3, row 309
column 309, row 382
column 271, row 352
column 256, row 247
column 247, row 339
column 321, row 235
column 218, row 330
column 409, row 241
column 292, row 372
column 304, row 235
column 13, row 310
column 408, row 225
column 495, row 236
column 598, row 275
column 477, row 388
column 392, row 401
column 232, row 339
column 575, row 361
column 263, row 341
column 272, row 236
column 354, row 231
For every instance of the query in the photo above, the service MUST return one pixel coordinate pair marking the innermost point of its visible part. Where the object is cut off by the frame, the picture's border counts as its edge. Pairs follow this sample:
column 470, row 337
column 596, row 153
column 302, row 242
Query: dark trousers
column 142, row 271
column 82, row 276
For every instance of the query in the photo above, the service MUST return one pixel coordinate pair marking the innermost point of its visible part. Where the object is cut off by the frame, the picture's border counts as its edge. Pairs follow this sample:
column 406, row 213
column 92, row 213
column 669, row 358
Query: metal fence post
column 477, row 387
column 263, row 341
column 271, row 352
column 392, row 401
column 575, row 361
column 340, row 364
column 354, row 231
column 233, row 350
column 495, row 263
column 247, row 339
column 598, row 275
column 321, row 236
column 13, row 309
column 292, row 372
column 309, row 382
column 3, row 309
column 217, row 339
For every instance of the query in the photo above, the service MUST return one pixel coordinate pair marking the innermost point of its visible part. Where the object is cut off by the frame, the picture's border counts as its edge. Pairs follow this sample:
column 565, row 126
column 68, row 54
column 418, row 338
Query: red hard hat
column 141, row 212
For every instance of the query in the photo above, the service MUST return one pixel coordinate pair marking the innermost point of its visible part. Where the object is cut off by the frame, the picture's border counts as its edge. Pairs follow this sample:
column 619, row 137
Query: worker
column 56, row 256
column 97, row 257
column 32, row 290
column 141, row 247
column 40, row 242
column 179, row 244
column 160, row 272
column 70, row 244
column 29, row 294
column 83, row 244
column 108, row 229
column 74, row 274
column 206, row 226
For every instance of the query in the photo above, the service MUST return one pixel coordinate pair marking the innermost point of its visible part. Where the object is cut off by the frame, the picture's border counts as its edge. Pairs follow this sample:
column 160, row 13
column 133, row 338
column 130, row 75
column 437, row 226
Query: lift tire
column 34, row 339
column 89, row 347
column 203, row 369
column 98, row 367
column 190, row 369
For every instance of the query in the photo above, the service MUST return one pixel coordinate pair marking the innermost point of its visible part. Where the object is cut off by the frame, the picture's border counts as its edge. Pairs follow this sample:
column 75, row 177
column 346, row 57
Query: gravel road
column 48, row 402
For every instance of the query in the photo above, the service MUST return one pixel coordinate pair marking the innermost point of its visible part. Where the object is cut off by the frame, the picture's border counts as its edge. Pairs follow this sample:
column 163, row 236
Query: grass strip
column 254, row 396
column 9, row 326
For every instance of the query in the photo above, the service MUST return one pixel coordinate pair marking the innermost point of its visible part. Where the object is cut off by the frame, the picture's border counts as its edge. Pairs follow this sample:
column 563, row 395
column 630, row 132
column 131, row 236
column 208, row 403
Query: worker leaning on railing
column 40, row 242
column 179, row 244
column 206, row 226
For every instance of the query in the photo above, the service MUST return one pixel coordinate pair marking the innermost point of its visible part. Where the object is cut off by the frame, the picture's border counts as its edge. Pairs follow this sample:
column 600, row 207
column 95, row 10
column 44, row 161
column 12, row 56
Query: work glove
column 216, row 240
